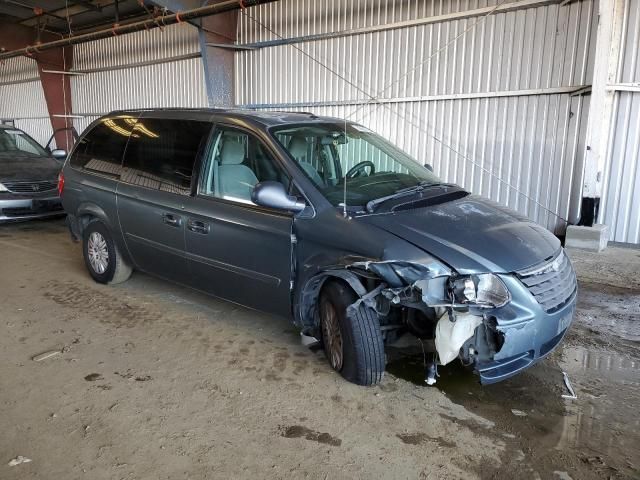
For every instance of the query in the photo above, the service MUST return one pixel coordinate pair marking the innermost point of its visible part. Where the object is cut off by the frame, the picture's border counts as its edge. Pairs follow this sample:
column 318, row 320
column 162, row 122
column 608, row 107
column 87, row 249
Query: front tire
column 101, row 255
column 352, row 342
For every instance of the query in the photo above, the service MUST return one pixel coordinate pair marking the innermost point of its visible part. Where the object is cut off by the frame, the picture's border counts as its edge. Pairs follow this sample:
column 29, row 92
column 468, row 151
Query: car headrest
column 232, row 153
column 298, row 148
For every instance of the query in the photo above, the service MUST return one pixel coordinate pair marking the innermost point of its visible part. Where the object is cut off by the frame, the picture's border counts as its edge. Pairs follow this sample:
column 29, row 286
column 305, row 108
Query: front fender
column 307, row 299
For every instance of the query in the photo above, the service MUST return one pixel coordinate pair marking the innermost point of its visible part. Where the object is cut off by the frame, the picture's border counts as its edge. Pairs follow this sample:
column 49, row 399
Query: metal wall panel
column 521, row 133
column 143, row 46
column 173, row 84
column 18, row 69
column 620, row 207
column 169, row 81
column 22, row 98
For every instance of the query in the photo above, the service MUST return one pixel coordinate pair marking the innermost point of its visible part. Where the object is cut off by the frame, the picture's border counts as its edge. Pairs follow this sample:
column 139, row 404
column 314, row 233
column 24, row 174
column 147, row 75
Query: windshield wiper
column 371, row 204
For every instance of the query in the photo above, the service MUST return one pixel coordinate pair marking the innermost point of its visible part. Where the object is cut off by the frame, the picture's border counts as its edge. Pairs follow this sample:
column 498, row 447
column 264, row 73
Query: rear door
column 94, row 168
column 236, row 249
column 155, row 184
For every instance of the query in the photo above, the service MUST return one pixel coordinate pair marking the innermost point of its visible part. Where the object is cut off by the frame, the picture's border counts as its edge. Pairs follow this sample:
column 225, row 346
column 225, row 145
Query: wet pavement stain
column 298, row 431
column 595, row 436
column 419, row 438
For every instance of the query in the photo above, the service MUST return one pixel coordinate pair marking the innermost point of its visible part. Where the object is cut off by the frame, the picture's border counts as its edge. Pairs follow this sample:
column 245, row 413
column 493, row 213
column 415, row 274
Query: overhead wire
column 374, row 99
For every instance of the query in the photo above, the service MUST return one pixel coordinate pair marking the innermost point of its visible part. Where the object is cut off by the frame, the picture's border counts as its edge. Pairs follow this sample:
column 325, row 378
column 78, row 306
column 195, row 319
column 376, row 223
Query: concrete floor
column 156, row 381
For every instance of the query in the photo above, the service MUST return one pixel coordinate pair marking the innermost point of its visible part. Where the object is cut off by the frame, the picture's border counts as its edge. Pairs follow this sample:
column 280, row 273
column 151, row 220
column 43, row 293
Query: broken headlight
column 483, row 290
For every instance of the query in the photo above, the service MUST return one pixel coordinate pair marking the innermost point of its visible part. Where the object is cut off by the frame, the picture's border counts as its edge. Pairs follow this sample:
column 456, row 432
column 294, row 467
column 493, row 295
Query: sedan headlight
column 3, row 188
column 482, row 290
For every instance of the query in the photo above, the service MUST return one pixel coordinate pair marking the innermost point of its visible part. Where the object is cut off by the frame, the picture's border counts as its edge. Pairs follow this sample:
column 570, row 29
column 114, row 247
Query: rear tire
column 352, row 342
column 101, row 255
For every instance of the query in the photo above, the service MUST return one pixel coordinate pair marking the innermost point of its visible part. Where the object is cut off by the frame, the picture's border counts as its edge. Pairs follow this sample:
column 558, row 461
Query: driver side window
column 236, row 164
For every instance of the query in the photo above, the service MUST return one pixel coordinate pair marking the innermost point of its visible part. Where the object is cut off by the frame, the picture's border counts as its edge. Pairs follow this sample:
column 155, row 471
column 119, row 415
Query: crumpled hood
column 472, row 235
column 28, row 167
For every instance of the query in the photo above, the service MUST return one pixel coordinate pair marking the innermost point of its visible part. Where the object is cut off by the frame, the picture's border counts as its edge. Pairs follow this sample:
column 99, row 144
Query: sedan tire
column 352, row 342
column 101, row 255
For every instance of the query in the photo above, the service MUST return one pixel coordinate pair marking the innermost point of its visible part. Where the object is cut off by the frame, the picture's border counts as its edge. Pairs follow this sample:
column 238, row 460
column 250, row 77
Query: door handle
column 171, row 220
column 198, row 227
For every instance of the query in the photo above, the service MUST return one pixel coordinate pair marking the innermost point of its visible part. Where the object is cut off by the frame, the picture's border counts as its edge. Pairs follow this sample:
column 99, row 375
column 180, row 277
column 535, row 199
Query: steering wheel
column 358, row 169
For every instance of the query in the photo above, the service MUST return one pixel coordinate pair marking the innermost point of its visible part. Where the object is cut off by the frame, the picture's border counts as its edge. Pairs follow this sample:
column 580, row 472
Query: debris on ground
column 567, row 383
column 46, row 355
column 518, row 413
column 308, row 340
column 18, row 460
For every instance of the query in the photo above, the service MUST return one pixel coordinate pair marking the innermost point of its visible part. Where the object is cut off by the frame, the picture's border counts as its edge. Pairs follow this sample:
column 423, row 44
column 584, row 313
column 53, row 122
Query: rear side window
column 101, row 150
column 161, row 153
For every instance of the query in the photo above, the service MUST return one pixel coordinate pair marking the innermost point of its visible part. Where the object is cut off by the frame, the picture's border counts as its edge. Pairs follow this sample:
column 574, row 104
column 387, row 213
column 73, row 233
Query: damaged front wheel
column 351, row 335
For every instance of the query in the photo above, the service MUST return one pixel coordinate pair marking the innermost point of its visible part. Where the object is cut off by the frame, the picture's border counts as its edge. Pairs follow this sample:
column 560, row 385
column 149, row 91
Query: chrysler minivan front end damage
column 496, row 323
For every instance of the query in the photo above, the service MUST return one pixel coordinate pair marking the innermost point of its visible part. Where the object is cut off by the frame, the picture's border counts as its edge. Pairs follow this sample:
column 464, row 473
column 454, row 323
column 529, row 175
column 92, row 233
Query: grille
column 553, row 284
column 30, row 187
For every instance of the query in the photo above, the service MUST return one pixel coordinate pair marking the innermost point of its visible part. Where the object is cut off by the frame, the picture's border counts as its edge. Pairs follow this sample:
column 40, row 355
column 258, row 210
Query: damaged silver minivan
column 323, row 221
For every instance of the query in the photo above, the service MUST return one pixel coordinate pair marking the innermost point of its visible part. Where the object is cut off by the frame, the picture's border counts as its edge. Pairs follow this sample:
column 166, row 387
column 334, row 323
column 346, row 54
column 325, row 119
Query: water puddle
column 595, row 436
column 612, row 310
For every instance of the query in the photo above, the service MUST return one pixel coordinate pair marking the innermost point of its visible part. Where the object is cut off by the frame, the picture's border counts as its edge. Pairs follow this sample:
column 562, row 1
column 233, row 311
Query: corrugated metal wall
column 620, row 207
column 22, row 98
column 494, row 110
column 151, row 68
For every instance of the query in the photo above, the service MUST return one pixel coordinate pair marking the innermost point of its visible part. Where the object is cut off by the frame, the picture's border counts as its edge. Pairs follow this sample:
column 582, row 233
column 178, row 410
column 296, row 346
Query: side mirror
column 59, row 154
column 273, row 195
column 428, row 167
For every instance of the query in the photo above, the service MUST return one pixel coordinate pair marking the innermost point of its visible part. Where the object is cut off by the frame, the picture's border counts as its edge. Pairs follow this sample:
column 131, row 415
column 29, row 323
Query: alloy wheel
column 331, row 334
column 98, row 253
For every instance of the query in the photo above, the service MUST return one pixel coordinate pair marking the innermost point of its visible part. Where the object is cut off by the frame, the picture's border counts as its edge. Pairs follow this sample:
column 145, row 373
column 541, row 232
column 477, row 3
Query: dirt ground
column 156, row 381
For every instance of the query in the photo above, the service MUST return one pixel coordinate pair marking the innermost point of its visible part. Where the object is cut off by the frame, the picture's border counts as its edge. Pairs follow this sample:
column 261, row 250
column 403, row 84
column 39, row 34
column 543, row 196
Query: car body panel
column 26, row 167
column 472, row 234
column 530, row 332
column 153, row 223
column 18, row 208
column 240, row 253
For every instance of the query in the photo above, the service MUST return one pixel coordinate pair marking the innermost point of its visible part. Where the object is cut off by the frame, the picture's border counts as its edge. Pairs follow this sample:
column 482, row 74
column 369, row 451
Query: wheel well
column 84, row 220
column 307, row 312
column 329, row 280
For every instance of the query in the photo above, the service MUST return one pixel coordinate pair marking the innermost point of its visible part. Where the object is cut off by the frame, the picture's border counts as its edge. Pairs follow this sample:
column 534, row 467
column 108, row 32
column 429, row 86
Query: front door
column 155, row 183
column 237, row 250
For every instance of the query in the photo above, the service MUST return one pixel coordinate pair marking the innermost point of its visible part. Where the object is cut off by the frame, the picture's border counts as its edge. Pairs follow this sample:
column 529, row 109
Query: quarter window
column 100, row 151
column 237, row 162
column 161, row 153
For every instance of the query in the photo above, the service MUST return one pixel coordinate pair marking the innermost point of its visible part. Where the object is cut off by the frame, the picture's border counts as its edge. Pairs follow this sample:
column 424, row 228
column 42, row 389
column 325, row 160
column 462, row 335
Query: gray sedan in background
column 28, row 177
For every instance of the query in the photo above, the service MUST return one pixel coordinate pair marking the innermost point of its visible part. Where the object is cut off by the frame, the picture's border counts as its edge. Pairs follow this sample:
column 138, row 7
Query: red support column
column 56, row 86
column 57, row 92
column 219, row 63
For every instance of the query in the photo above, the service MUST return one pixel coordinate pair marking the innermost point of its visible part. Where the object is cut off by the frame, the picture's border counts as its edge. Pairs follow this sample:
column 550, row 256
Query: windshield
column 372, row 167
column 14, row 141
